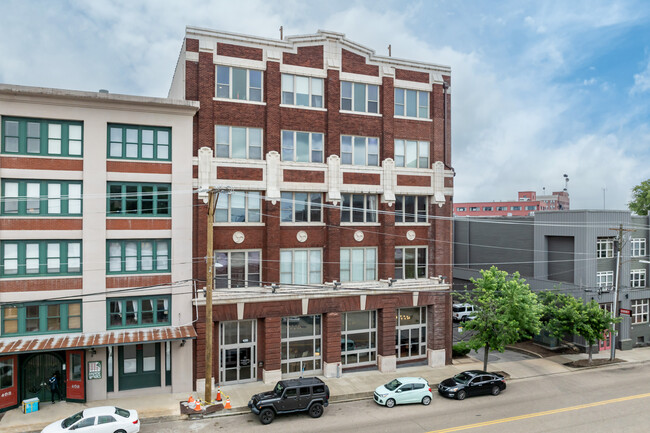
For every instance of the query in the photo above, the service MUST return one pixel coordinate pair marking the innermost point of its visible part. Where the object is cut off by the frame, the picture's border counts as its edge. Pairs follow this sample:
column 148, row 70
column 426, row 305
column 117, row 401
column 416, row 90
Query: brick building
column 95, row 219
column 333, row 249
column 527, row 203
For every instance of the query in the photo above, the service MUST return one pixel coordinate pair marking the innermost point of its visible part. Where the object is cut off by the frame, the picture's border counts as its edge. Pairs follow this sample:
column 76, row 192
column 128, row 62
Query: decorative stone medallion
column 301, row 236
column 358, row 236
column 238, row 237
column 410, row 235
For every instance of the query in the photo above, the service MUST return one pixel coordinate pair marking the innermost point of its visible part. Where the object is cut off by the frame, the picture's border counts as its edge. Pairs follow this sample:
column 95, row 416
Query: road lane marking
column 537, row 414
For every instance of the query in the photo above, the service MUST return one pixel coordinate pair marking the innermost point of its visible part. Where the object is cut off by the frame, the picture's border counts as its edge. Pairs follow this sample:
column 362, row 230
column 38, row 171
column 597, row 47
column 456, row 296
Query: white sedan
column 105, row 419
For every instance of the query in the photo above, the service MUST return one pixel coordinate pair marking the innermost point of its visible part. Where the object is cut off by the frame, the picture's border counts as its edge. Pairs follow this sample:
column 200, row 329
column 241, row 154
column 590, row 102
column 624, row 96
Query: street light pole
column 213, row 196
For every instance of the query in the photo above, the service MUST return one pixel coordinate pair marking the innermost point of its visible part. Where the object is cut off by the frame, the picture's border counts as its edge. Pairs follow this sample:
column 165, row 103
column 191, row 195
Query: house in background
column 95, row 258
column 332, row 245
column 573, row 252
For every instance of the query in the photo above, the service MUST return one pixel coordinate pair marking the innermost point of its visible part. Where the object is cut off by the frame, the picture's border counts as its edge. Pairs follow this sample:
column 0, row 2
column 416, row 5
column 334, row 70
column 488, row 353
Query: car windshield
column 462, row 377
column 71, row 420
column 458, row 309
column 122, row 412
column 393, row 385
column 278, row 388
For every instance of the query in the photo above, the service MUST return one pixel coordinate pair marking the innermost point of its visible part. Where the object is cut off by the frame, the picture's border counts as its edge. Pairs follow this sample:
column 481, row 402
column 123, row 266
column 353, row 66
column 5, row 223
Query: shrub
column 460, row 349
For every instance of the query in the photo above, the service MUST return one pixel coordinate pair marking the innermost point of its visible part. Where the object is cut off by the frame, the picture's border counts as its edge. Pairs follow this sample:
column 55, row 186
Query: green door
column 36, row 372
column 139, row 366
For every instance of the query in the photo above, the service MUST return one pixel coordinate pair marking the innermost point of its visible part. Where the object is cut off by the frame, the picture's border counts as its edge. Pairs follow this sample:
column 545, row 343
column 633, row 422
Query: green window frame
column 138, row 256
column 32, row 197
column 144, row 311
column 41, row 318
column 40, row 258
column 139, row 142
column 45, row 137
column 139, row 199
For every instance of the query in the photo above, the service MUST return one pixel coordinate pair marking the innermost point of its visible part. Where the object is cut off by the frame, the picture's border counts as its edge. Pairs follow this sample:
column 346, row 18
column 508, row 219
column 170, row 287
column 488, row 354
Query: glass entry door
column 238, row 351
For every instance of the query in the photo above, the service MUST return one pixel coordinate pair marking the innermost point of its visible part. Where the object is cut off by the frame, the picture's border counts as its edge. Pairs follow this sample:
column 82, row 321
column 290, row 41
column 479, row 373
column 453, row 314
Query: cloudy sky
column 540, row 88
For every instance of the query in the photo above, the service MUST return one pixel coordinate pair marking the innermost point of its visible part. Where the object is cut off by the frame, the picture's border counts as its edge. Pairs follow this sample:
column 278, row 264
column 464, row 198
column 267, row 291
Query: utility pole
column 619, row 244
column 213, row 196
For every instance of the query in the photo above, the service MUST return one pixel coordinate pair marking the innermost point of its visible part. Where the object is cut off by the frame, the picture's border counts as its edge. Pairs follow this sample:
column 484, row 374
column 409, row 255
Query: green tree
column 640, row 203
column 561, row 314
column 593, row 324
column 507, row 311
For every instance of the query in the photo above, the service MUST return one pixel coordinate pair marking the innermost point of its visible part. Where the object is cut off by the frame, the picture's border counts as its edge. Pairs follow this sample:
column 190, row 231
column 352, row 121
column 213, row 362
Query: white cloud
column 589, row 82
column 641, row 81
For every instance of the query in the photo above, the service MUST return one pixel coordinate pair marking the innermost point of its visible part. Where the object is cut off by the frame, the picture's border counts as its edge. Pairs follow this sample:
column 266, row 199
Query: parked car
column 309, row 395
column 404, row 390
column 462, row 312
column 470, row 383
column 105, row 419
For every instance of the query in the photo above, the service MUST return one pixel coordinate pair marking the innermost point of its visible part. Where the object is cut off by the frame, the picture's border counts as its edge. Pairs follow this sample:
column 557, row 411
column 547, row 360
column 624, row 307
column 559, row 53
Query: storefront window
column 75, row 368
column 359, row 338
column 130, row 361
column 6, row 373
column 148, row 357
column 301, row 344
column 411, row 333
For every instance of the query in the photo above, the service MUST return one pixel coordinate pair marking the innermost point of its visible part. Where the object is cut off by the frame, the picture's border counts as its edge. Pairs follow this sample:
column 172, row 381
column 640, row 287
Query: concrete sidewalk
column 351, row 386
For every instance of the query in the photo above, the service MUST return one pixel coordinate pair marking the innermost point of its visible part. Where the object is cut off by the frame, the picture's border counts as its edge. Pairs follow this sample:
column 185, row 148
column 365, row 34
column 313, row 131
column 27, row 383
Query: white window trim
column 295, row 147
column 230, row 145
column 309, row 270
column 426, row 261
column 308, row 203
column 238, row 101
column 404, row 143
column 641, row 247
column 246, row 210
column 417, row 104
column 310, row 94
column 640, row 275
column 636, row 306
column 419, row 119
column 246, row 264
column 365, row 262
column 314, row 336
column 422, row 324
column 360, row 113
column 415, row 216
column 230, row 84
column 607, row 275
column 365, row 210
column 367, row 100
column 370, row 330
column 609, row 248
column 352, row 164
column 302, row 107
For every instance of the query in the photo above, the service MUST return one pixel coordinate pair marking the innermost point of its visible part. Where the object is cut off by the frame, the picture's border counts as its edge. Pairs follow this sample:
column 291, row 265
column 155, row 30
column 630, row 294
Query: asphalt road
column 603, row 400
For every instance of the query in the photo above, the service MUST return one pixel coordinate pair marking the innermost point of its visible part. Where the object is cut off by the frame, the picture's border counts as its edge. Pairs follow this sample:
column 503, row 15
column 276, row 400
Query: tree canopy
column 640, row 203
column 506, row 311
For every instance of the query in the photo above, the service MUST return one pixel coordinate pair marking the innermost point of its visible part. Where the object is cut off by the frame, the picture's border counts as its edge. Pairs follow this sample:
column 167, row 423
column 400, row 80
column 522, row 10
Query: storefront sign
column 625, row 312
column 94, row 370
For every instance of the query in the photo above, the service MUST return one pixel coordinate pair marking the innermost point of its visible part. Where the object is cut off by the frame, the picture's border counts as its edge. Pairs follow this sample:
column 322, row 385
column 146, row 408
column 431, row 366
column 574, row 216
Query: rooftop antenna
column 389, row 47
column 566, row 182
column 281, row 33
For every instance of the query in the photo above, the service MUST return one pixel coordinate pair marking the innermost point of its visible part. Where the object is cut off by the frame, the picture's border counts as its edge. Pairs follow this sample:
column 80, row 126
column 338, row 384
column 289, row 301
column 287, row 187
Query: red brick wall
column 403, row 74
column 138, row 224
column 273, row 116
column 358, row 124
column 192, row 45
column 296, row 119
column 332, row 337
column 361, row 178
column 387, row 102
column 413, row 129
column 309, row 57
column 239, row 173
column 239, row 51
column 139, row 167
column 408, row 180
column 303, row 176
column 386, row 253
column 354, row 63
column 41, row 163
column 33, row 285
column 41, row 224
column 137, row 281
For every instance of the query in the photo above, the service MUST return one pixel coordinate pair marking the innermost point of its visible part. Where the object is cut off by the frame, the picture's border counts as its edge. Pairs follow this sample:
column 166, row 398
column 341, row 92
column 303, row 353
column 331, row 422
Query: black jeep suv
column 295, row 395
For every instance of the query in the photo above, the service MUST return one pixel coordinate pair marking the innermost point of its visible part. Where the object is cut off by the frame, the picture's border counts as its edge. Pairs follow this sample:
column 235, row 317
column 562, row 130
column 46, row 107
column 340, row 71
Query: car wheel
column 120, row 431
column 316, row 410
column 496, row 390
column 461, row 395
column 266, row 416
column 390, row 403
column 426, row 400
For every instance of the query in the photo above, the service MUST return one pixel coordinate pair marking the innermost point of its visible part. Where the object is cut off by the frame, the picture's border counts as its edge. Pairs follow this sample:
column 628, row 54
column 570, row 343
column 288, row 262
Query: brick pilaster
column 331, row 338
column 386, row 331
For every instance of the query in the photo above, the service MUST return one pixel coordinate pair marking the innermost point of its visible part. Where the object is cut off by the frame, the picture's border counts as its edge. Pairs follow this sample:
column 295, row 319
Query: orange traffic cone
column 228, row 405
column 198, row 406
column 218, row 394
column 191, row 399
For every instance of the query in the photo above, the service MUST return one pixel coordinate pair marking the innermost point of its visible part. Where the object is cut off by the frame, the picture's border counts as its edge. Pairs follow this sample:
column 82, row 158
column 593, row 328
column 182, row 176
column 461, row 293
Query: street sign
column 625, row 312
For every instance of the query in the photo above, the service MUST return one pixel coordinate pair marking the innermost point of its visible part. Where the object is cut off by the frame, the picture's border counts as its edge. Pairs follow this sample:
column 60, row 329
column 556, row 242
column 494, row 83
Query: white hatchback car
column 105, row 419
column 404, row 390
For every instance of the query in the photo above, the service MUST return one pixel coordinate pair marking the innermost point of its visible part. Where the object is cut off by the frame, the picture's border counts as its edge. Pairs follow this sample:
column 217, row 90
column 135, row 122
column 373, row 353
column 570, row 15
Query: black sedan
column 472, row 382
